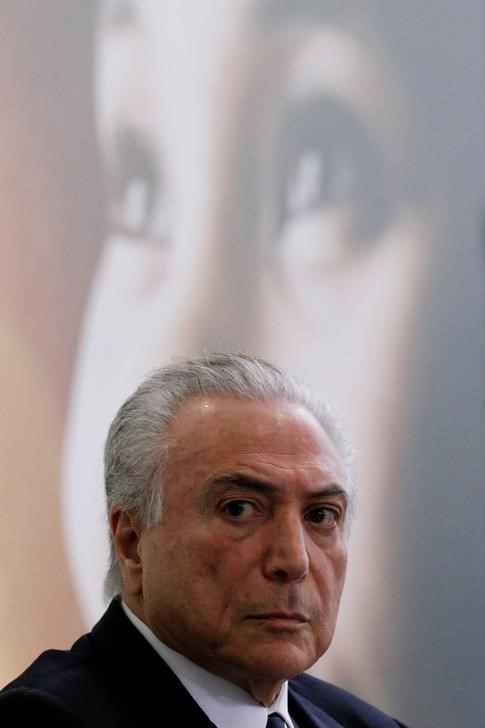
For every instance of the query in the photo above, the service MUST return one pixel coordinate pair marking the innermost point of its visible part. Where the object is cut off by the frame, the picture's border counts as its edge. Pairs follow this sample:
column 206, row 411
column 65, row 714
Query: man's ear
column 126, row 536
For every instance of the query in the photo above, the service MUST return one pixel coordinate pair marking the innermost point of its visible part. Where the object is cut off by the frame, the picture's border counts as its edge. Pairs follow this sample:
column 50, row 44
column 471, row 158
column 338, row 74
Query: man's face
column 245, row 571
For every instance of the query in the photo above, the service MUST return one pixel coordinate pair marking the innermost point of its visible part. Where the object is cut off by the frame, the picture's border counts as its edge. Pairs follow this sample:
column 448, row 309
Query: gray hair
column 136, row 448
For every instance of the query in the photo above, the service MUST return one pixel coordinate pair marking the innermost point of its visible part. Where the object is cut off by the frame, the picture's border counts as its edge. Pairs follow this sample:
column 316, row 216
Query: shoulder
column 110, row 676
column 51, row 686
column 71, row 688
column 57, row 682
column 343, row 706
column 23, row 706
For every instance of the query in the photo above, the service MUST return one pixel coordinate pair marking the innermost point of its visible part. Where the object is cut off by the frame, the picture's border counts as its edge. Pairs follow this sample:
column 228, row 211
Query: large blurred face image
column 259, row 196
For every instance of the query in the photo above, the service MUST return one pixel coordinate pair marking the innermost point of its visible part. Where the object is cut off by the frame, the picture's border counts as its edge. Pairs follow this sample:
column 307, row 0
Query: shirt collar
column 222, row 701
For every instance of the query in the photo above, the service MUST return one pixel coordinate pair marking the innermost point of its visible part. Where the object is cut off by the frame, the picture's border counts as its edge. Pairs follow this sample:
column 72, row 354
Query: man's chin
column 278, row 661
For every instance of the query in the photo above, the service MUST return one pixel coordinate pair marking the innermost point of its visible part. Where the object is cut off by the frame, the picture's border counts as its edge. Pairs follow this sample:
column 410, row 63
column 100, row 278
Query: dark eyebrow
column 247, row 482
column 243, row 481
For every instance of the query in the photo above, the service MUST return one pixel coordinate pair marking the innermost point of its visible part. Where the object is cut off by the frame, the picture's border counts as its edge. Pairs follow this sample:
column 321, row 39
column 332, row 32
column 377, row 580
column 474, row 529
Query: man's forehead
column 213, row 409
column 218, row 438
column 232, row 422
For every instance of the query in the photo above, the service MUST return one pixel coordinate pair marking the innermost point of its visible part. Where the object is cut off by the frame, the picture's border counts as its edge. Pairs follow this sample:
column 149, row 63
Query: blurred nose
column 286, row 557
column 220, row 257
column 226, row 310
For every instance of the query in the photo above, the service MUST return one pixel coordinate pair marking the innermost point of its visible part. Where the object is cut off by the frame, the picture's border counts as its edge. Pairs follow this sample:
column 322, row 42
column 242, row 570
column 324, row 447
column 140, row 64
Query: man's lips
column 297, row 616
column 280, row 619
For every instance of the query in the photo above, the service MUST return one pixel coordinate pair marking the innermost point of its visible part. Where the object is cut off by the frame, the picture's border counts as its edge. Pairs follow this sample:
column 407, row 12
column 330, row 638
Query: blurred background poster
column 302, row 179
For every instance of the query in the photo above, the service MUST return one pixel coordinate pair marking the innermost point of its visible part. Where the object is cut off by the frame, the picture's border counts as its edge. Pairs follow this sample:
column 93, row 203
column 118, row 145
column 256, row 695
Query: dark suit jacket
column 112, row 677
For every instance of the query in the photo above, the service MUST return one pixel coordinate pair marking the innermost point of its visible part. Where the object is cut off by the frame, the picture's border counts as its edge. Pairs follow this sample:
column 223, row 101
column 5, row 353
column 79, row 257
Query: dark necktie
column 275, row 721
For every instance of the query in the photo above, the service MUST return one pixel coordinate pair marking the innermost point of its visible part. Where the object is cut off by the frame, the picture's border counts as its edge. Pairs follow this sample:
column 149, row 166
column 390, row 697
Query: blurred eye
column 136, row 207
column 326, row 159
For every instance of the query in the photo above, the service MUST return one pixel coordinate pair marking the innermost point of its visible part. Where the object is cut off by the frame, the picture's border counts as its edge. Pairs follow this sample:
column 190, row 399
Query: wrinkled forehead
column 230, row 430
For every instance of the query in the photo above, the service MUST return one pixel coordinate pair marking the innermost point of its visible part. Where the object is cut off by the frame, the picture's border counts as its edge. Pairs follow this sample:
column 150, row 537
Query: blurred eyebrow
column 275, row 15
column 247, row 482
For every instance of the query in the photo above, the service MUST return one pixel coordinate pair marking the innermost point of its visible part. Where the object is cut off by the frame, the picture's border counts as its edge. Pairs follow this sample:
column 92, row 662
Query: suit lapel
column 308, row 715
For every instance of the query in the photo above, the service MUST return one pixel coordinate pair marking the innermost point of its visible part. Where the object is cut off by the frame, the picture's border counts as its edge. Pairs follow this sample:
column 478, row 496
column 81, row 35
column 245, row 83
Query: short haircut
column 138, row 440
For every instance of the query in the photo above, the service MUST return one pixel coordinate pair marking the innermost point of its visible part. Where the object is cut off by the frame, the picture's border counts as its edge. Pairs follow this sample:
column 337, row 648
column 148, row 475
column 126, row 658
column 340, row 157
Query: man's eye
column 324, row 516
column 239, row 509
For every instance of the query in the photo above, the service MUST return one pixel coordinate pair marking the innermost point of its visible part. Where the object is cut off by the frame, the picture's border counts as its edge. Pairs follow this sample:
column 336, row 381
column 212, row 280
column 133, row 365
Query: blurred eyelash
column 325, row 156
column 134, row 187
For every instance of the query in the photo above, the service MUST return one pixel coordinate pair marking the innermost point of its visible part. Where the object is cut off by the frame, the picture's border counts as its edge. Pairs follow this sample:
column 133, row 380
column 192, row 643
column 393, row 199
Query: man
column 229, row 495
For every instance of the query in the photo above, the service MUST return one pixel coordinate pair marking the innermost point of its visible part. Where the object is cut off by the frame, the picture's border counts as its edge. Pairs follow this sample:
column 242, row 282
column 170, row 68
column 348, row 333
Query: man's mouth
column 280, row 620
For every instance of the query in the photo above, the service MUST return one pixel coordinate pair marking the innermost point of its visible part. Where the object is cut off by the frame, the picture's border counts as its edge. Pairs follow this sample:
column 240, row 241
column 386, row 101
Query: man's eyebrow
column 248, row 482
column 245, row 482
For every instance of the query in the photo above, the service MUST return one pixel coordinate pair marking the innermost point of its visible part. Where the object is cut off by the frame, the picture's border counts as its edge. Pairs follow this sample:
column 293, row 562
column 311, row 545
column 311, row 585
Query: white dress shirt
column 223, row 702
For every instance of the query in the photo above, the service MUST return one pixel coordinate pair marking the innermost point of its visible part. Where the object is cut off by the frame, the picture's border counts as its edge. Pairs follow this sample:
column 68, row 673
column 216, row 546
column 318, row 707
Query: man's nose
column 286, row 557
